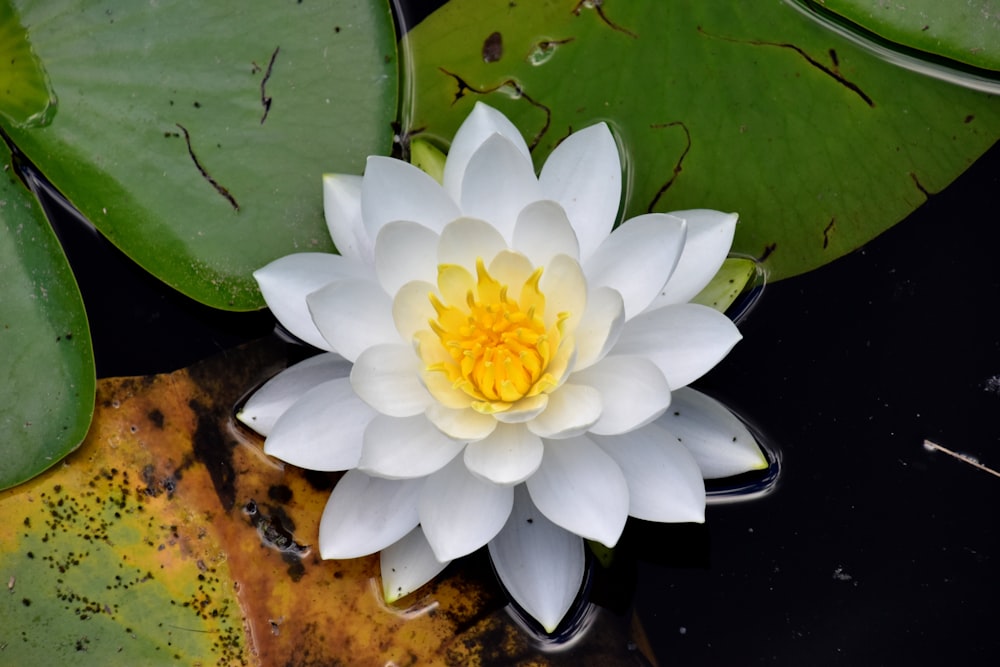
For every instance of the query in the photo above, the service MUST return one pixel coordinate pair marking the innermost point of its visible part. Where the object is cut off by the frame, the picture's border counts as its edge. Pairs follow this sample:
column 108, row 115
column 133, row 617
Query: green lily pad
column 747, row 107
column 194, row 134
column 966, row 32
column 47, row 363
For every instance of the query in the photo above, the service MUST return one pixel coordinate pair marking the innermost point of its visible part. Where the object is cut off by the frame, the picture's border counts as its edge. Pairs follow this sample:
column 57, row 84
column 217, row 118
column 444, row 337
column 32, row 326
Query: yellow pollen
column 499, row 345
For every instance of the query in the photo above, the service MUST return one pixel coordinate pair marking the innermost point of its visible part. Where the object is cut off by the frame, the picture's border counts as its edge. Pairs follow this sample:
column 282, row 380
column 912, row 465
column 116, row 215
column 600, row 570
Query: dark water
column 872, row 550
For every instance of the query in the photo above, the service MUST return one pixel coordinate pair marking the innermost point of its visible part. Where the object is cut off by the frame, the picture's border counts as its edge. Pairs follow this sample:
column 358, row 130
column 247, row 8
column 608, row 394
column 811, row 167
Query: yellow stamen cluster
column 499, row 345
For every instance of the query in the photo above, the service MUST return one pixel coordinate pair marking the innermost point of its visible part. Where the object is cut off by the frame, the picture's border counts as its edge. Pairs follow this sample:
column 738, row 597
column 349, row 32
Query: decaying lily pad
column 170, row 538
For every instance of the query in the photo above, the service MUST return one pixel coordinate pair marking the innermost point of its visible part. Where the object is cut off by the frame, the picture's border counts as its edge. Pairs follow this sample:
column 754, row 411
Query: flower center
column 499, row 345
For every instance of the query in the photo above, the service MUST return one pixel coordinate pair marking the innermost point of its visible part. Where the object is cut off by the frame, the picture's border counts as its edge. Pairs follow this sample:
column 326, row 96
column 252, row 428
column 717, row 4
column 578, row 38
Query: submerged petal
column 509, row 455
column 664, row 482
column 408, row 564
column 395, row 190
column 481, row 124
column 287, row 281
column 581, row 488
column 366, row 514
column 584, row 174
column 342, row 208
column 387, row 377
column 637, row 259
column 323, row 430
column 540, row 564
column 460, row 512
column 353, row 315
column 404, row 448
column 720, row 443
column 709, row 238
column 685, row 340
column 633, row 392
column 278, row 394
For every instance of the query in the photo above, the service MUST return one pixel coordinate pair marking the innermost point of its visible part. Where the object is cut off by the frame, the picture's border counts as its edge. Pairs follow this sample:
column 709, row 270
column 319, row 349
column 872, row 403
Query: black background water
column 873, row 550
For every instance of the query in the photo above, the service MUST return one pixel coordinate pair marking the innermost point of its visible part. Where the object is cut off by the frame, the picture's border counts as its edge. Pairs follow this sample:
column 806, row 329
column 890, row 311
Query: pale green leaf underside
column 25, row 97
column 746, row 107
column 728, row 283
column 194, row 134
column 46, row 361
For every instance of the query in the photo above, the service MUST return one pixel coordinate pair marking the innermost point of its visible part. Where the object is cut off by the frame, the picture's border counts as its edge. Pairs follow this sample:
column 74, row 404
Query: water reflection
column 928, row 64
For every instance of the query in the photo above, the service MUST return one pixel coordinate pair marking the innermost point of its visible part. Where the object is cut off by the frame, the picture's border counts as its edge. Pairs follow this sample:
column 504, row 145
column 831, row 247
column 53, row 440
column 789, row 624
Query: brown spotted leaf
column 170, row 538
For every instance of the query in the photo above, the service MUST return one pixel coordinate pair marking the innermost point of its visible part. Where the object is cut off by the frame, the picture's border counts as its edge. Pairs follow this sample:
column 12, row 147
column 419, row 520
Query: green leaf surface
column 747, row 107
column 967, row 32
column 46, row 359
column 194, row 134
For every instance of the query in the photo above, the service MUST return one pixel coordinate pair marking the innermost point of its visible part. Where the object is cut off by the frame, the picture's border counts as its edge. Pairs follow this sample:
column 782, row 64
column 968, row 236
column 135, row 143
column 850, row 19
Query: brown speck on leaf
column 493, row 48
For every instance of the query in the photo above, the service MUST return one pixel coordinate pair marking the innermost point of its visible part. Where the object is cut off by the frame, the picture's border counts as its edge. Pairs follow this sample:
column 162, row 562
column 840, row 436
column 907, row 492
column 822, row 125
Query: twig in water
column 961, row 457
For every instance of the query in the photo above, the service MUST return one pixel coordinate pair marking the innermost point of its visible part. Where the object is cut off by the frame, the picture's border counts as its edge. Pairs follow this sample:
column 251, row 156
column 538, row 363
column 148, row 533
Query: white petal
column 709, row 238
column 581, row 488
column 584, row 175
column 633, row 392
column 543, row 231
column 507, row 456
column 408, row 564
column 512, row 269
column 540, row 564
column 637, row 259
column 499, row 181
column 395, row 190
column 353, row 315
column 600, row 326
column 402, row 448
column 465, row 240
column 482, row 123
column 460, row 512
column 404, row 251
column 323, row 430
column 342, row 207
column 461, row 423
column 572, row 409
column 278, row 394
column 287, row 281
column 565, row 290
column 523, row 410
column 387, row 377
column 685, row 340
column 717, row 439
column 412, row 310
column 664, row 482
column 366, row 514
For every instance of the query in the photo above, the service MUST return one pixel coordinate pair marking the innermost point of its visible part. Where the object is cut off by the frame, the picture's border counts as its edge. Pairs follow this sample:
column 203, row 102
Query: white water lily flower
column 500, row 363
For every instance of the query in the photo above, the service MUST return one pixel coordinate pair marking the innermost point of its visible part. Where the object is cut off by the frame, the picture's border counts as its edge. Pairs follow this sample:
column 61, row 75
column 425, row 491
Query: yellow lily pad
column 169, row 537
